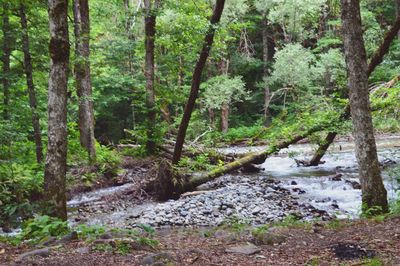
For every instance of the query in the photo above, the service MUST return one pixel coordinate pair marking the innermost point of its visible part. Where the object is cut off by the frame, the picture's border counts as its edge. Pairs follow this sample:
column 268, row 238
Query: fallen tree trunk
column 376, row 59
column 171, row 184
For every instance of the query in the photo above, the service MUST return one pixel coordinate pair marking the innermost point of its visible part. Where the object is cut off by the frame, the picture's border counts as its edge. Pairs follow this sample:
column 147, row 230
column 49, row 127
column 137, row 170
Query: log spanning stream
column 282, row 188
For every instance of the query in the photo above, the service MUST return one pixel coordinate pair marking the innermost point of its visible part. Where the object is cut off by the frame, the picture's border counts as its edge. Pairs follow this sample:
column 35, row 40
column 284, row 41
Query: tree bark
column 196, row 79
column 31, row 87
column 316, row 159
column 224, row 118
column 6, row 60
column 397, row 4
column 374, row 62
column 384, row 47
column 374, row 194
column 82, row 76
column 267, row 94
column 56, row 159
column 150, row 30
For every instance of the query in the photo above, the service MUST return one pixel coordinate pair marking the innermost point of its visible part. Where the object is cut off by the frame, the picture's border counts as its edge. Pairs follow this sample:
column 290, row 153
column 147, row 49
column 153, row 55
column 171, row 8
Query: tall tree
column 150, row 30
column 30, row 84
column 376, row 59
column 196, row 79
column 373, row 191
column 82, row 75
column 266, row 58
column 56, row 159
column 6, row 59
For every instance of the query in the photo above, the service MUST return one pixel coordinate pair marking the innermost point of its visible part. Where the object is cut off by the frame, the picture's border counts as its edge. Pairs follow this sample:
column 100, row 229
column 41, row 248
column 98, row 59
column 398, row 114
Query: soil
column 348, row 243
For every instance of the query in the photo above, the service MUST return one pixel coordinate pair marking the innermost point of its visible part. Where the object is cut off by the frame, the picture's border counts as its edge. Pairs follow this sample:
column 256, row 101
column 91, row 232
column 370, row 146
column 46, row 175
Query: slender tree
column 56, row 159
column 373, row 191
column 150, row 30
column 6, row 59
column 196, row 79
column 376, row 59
column 30, row 84
column 266, row 57
column 82, row 76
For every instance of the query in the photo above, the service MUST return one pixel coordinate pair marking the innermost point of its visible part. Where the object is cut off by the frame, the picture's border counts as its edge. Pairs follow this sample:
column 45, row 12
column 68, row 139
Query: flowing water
column 316, row 181
column 309, row 186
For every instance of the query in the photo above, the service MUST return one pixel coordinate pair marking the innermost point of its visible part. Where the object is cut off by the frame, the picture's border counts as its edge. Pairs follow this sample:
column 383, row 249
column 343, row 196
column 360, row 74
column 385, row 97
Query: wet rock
column 298, row 190
column 293, row 183
column 245, row 249
column 337, row 177
column 354, row 184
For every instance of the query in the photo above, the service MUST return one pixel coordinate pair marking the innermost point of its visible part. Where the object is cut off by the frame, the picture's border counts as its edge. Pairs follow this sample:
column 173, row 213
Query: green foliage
column 236, row 224
column 293, row 222
column 145, row 241
column 292, row 67
column 386, row 114
column 223, row 90
column 296, row 17
column 89, row 232
column 373, row 262
column 40, row 228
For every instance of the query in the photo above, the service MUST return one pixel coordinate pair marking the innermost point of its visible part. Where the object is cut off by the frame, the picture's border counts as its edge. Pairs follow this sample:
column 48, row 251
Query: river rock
column 159, row 259
column 43, row 252
column 245, row 249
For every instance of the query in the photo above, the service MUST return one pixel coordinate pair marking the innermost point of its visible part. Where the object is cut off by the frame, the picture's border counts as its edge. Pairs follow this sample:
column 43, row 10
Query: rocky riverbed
column 281, row 189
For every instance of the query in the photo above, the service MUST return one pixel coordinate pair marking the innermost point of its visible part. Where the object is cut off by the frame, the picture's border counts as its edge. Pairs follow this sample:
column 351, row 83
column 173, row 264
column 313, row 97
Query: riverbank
column 361, row 242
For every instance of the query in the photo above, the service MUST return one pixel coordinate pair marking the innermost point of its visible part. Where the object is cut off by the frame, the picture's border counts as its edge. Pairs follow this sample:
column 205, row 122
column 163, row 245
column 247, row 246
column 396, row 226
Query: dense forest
column 161, row 132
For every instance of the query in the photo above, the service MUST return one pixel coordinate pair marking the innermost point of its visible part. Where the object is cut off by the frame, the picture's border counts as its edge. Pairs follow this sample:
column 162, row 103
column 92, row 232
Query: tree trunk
column 150, row 30
column 224, row 118
column 267, row 94
column 375, row 61
column 167, row 187
column 56, row 159
column 374, row 194
column 316, row 159
column 196, row 79
column 211, row 117
column 397, row 4
column 384, row 47
column 6, row 60
column 30, row 85
column 82, row 75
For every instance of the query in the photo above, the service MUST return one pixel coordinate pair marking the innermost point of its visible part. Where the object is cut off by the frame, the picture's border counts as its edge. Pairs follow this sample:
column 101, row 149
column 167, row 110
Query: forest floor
column 334, row 243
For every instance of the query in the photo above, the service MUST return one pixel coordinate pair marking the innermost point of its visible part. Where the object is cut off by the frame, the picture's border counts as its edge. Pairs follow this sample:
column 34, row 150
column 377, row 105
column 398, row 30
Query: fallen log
column 170, row 184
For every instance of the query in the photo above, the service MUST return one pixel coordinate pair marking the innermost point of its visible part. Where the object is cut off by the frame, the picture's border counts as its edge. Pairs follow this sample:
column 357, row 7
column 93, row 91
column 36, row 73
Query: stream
column 281, row 188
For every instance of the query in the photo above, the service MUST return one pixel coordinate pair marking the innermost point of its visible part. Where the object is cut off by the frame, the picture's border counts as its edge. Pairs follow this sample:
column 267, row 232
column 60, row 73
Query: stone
column 337, row 177
column 156, row 259
column 43, row 252
column 245, row 249
column 256, row 210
